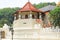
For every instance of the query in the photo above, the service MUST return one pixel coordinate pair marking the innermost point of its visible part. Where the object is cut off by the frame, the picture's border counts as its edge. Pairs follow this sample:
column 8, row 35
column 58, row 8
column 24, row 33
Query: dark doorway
column 26, row 16
column 33, row 16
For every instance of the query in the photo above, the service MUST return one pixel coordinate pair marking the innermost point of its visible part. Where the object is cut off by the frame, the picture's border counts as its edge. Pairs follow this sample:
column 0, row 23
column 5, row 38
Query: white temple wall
column 32, row 32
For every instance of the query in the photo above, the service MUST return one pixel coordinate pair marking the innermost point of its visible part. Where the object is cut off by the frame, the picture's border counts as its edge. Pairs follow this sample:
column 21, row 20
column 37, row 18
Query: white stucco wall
column 31, row 31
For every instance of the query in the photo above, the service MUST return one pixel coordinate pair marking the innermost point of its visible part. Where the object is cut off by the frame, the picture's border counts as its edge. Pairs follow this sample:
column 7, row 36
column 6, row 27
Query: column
column 39, row 15
column 31, row 16
column 41, row 22
column 0, row 35
column 19, row 16
column 47, row 19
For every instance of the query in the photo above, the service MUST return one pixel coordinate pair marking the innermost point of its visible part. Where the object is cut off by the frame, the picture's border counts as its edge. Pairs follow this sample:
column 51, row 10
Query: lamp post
column 0, row 35
column 12, row 31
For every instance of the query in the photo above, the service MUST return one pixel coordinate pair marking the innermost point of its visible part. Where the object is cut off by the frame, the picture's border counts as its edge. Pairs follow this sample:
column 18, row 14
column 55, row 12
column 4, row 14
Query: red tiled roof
column 29, row 7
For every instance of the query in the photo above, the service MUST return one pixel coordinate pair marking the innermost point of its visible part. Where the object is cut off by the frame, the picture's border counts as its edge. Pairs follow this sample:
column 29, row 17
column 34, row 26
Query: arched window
column 33, row 16
column 2, row 34
column 26, row 16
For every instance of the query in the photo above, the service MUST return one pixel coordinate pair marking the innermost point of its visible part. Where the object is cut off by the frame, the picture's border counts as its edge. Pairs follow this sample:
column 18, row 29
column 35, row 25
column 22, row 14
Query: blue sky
column 20, row 3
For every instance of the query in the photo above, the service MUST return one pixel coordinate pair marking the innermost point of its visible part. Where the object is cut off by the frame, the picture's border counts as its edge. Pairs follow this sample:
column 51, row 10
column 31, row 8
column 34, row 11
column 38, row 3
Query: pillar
column 30, row 15
column 47, row 22
column 41, row 22
column 0, row 35
column 19, row 16
column 39, row 15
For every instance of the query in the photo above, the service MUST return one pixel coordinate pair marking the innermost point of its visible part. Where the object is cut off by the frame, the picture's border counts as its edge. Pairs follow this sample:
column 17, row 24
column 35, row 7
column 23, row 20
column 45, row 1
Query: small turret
column 28, row 11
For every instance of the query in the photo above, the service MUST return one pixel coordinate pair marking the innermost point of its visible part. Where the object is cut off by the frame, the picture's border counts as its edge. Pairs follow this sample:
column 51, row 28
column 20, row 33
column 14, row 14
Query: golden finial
column 28, row 0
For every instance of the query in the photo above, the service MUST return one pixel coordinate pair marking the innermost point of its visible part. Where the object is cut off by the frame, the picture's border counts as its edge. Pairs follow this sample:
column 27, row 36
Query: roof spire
column 28, row 0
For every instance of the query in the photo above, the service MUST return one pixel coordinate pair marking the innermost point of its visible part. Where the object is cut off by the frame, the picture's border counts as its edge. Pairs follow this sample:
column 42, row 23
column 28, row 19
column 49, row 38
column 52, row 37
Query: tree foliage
column 6, row 15
column 55, row 16
column 40, row 5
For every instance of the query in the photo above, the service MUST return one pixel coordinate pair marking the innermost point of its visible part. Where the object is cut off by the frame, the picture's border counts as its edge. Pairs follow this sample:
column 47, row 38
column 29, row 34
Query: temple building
column 25, row 23
column 31, row 24
column 45, row 15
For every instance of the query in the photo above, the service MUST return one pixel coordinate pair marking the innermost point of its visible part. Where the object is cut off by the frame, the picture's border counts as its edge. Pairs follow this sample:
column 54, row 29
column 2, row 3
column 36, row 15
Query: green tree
column 55, row 16
column 40, row 5
column 6, row 15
